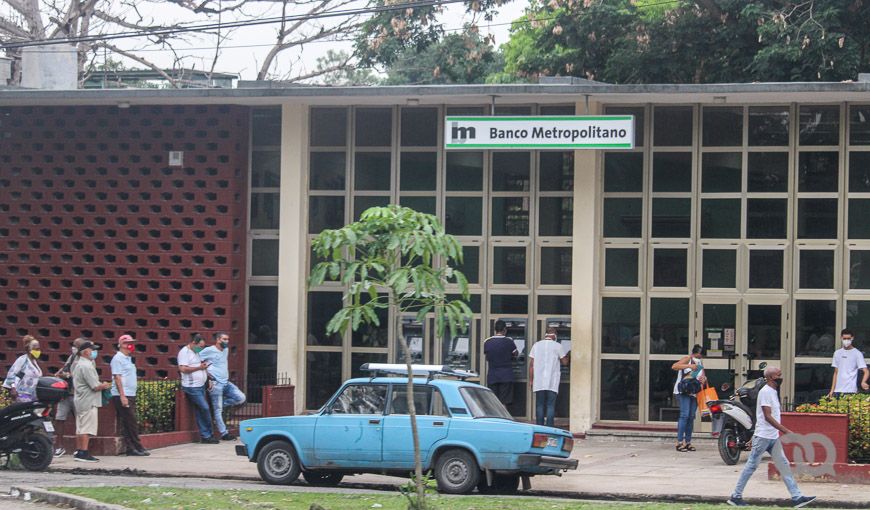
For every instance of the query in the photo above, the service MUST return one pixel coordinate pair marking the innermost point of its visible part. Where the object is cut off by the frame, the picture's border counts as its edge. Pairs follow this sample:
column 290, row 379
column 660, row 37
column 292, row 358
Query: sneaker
column 737, row 502
column 136, row 453
column 85, row 457
column 228, row 437
column 144, row 453
column 803, row 501
column 209, row 440
column 59, row 452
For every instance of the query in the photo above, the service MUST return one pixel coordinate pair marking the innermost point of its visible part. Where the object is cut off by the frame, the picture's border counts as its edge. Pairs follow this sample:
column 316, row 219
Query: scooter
column 26, row 428
column 734, row 420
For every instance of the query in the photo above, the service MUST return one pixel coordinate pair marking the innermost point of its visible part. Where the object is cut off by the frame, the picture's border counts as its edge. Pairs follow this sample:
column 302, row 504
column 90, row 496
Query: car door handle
column 374, row 422
column 438, row 424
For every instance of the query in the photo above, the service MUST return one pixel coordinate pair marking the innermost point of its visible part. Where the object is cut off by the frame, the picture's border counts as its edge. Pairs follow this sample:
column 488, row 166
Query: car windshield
column 483, row 403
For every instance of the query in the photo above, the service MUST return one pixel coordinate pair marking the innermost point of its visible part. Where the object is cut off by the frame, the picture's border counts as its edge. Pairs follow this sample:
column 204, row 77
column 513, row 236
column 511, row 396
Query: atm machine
column 460, row 351
column 414, row 332
column 517, row 329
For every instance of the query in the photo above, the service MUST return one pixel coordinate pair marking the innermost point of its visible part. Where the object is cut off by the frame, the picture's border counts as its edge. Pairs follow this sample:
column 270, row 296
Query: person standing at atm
column 545, row 360
column 500, row 351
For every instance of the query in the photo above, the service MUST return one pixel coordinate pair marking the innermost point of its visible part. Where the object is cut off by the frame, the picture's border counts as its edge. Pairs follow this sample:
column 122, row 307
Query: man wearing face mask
column 88, row 397
column 222, row 392
column 847, row 362
column 66, row 406
column 124, row 385
column 193, row 383
column 766, row 439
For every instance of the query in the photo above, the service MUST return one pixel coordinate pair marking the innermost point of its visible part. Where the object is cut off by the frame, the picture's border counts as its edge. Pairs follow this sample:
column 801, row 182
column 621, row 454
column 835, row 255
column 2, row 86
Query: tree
column 337, row 68
column 457, row 58
column 394, row 258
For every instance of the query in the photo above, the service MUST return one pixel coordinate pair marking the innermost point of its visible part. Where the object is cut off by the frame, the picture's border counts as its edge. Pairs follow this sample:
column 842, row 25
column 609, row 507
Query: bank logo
column 460, row 134
column 805, row 462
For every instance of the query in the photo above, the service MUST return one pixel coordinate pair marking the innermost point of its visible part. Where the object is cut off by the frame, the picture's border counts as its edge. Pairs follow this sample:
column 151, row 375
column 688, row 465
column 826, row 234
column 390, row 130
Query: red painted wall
column 100, row 237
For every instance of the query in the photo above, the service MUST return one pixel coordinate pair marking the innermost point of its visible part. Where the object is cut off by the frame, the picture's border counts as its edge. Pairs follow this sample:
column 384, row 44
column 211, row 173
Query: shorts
column 86, row 422
column 65, row 408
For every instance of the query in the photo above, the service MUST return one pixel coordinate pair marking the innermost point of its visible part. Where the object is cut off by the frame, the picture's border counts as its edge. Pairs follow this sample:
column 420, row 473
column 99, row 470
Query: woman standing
column 690, row 375
column 25, row 372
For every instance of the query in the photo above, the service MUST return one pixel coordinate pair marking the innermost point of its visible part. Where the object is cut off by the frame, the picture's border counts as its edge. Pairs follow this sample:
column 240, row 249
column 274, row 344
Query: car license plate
column 552, row 441
column 48, row 426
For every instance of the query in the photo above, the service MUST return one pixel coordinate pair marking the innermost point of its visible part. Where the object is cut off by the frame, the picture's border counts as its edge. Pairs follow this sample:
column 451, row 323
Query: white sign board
column 542, row 132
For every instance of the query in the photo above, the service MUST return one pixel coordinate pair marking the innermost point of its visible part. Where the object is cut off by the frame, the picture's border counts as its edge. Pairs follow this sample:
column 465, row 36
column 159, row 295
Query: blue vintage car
column 467, row 437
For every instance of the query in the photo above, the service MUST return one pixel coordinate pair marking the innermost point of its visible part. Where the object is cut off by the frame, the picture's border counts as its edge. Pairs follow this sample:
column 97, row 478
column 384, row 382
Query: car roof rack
column 430, row 371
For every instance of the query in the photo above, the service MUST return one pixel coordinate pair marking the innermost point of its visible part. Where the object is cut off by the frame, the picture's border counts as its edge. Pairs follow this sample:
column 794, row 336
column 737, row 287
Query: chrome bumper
column 547, row 462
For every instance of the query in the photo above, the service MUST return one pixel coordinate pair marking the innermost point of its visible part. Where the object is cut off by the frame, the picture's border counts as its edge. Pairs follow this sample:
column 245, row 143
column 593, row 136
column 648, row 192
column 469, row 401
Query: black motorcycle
column 26, row 429
column 734, row 420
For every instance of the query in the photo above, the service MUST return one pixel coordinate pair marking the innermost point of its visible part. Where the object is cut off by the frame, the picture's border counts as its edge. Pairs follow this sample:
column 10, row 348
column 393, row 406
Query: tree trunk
column 412, row 413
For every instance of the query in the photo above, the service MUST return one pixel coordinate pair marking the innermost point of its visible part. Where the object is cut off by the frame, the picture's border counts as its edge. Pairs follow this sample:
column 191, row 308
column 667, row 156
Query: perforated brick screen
column 100, row 237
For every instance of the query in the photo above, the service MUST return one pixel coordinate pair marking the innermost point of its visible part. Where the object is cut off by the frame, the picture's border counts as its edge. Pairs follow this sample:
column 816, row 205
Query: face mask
column 778, row 382
column 197, row 349
column 93, row 355
column 36, row 353
column 130, row 347
column 847, row 343
column 224, row 345
column 74, row 350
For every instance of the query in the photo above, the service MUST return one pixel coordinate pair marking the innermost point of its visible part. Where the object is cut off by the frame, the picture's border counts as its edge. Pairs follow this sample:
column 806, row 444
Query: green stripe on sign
column 540, row 145
column 533, row 119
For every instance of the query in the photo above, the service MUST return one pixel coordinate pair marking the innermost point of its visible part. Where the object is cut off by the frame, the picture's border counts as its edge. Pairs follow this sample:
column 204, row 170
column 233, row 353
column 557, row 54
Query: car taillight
column 715, row 409
column 540, row 440
column 568, row 444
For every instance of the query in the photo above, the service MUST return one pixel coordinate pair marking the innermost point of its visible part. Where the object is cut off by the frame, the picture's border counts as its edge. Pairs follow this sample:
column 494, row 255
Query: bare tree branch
column 172, row 81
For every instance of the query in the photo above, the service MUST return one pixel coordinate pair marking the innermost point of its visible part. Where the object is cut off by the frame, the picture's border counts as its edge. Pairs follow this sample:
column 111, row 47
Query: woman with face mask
column 25, row 372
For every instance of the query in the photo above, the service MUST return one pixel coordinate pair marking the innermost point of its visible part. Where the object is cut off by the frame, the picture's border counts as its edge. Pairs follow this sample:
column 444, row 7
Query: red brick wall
column 100, row 237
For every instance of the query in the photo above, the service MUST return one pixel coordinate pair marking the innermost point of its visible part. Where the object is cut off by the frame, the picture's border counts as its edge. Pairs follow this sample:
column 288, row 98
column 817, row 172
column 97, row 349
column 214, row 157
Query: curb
column 59, row 498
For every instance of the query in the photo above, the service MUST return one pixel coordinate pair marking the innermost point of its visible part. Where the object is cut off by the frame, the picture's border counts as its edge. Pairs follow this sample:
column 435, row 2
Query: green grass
column 152, row 498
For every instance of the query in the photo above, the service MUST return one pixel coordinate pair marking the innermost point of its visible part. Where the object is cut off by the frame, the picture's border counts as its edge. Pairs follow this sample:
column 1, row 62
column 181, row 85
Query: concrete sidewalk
column 609, row 469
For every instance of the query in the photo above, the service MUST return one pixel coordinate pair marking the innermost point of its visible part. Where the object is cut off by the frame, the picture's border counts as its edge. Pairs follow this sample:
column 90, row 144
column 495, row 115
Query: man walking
column 88, row 398
column 222, row 392
column 847, row 362
column 193, row 383
column 65, row 407
column 767, row 431
column 545, row 361
column 124, row 385
column 500, row 351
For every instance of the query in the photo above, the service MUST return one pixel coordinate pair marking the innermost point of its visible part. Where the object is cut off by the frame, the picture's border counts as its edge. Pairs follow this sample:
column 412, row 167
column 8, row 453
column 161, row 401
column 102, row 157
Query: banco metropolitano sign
column 543, row 132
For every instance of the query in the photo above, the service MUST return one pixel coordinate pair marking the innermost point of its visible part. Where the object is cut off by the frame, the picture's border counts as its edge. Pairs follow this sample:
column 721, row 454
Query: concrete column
column 584, row 287
column 291, row 246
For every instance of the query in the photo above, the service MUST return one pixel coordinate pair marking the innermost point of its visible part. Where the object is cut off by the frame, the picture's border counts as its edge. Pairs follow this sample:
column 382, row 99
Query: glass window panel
column 620, row 267
column 418, row 171
column 859, row 124
column 264, row 257
column 620, row 325
column 817, row 269
column 717, row 318
column 510, row 171
column 420, row 204
column 328, row 127
column 673, row 126
column 513, row 304
column 817, row 218
column 638, row 112
column 859, row 211
column 419, row 127
column 671, row 217
column 818, row 172
column 372, row 171
column 619, row 390
column 470, row 266
column 327, row 171
column 663, row 404
column 557, row 109
column 859, row 269
column 323, row 377
column 464, row 171
column 768, row 125
column 263, row 367
column 509, row 265
column 811, row 381
column 622, row 217
column 370, row 335
column 859, row 172
column 669, row 326
column 473, row 301
column 723, row 126
column 719, row 269
column 362, row 203
column 819, row 125
column 556, row 266
column 324, row 213
column 321, row 308
column 554, row 305
column 670, row 266
column 556, row 171
column 266, row 126
column 722, row 172
column 720, row 218
column 265, row 211
column 504, row 110
column 510, row 216
column 814, row 327
column 463, row 216
column 556, row 216
column 358, row 359
column 467, row 110
column 767, row 172
column 766, row 269
column 764, row 331
column 263, row 314
column 672, row 171
column 766, row 218
column 374, row 127
column 858, row 320
column 623, row 172
column 265, row 169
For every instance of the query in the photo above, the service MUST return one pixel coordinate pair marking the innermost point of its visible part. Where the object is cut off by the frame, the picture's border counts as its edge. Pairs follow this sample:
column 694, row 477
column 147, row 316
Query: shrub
column 155, row 406
column 857, row 406
column 5, row 398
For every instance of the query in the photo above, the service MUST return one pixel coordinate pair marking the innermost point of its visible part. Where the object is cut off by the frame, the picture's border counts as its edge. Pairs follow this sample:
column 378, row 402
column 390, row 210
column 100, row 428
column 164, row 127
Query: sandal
column 680, row 447
column 689, row 448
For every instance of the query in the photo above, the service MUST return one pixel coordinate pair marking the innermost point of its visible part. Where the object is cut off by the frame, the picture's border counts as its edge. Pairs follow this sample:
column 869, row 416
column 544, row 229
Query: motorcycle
column 26, row 428
column 734, row 420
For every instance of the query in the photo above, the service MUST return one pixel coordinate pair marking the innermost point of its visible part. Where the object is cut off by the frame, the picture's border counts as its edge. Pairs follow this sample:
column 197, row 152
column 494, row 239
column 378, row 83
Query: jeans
column 200, row 409
column 686, row 422
column 545, row 407
column 774, row 447
column 224, row 394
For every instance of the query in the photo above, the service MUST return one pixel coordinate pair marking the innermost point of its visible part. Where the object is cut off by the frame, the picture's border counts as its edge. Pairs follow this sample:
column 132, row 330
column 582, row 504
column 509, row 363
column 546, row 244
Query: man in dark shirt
column 500, row 351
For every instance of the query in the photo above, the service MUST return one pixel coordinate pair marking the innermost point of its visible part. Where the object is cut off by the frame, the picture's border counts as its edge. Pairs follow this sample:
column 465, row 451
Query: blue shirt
column 123, row 365
column 219, row 368
column 499, row 352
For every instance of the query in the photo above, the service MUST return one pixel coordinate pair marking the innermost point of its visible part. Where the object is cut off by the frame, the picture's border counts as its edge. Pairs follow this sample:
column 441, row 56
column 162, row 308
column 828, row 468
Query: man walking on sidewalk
column 767, row 430
column 124, row 386
column 545, row 361
column 222, row 392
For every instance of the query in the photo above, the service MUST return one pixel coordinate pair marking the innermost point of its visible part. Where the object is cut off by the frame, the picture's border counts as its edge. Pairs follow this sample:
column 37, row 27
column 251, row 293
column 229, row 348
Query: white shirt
column 767, row 397
column 848, row 362
column 188, row 358
column 546, row 354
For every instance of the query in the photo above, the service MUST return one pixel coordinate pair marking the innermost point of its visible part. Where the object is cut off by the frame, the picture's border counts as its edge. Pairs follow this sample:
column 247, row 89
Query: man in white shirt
column 847, row 362
column 194, row 378
column 766, row 439
column 545, row 359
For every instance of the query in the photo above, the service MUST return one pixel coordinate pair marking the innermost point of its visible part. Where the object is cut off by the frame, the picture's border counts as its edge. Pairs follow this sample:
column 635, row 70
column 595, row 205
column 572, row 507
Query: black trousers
column 504, row 391
column 129, row 424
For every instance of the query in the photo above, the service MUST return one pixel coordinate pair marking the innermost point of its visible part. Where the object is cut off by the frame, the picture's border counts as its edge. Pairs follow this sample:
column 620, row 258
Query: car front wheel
column 456, row 472
column 278, row 464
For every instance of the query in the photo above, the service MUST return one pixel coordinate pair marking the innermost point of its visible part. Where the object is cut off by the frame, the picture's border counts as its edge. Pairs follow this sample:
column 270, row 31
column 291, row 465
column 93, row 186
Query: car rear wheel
column 278, row 464
column 501, row 484
column 322, row 478
column 456, row 472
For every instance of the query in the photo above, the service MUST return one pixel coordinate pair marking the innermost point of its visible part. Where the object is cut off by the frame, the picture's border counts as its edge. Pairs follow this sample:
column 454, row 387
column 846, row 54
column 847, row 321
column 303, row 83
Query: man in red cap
column 124, row 386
